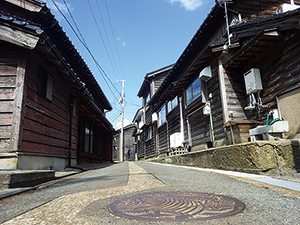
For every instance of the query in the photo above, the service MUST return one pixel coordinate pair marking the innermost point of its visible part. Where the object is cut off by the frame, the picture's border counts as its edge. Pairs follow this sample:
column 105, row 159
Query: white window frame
column 172, row 104
column 162, row 115
column 191, row 89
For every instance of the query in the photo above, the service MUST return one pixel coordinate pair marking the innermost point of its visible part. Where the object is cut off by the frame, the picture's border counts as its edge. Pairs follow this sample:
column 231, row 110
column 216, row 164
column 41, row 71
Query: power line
column 114, row 65
column 111, row 27
column 102, row 72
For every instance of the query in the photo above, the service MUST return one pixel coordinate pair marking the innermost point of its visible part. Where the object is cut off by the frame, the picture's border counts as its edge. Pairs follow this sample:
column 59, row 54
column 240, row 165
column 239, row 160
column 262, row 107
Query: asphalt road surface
column 85, row 198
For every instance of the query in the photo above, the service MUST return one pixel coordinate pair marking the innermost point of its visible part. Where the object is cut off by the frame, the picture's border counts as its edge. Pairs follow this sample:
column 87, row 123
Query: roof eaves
column 274, row 17
column 30, row 5
column 84, row 69
column 199, row 34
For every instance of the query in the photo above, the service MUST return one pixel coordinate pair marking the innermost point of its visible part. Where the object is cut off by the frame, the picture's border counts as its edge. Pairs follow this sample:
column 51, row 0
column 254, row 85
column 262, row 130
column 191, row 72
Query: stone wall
column 264, row 157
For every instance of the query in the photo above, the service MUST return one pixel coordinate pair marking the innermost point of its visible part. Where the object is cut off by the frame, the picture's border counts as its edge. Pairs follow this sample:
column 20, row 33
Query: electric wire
column 81, row 39
column 112, row 30
column 113, row 63
column 102, row 72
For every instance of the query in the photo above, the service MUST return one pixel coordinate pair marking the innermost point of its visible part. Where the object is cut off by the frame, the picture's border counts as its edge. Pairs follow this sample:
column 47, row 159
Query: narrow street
column 85, row 198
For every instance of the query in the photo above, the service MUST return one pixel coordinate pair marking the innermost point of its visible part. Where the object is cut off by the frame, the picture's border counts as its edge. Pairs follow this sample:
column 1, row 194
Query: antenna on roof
column 225, row 2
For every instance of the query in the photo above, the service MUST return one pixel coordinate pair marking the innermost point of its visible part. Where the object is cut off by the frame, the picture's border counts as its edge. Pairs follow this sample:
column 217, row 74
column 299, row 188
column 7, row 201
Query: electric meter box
column 253, row 81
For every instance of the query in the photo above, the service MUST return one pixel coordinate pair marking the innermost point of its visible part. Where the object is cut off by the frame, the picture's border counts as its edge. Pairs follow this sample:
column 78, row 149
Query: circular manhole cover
column 176, row 206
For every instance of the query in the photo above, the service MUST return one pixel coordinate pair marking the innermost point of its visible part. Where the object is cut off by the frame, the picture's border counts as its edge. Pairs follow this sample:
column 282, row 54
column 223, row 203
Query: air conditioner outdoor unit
column 205, row 74
column 175, row 140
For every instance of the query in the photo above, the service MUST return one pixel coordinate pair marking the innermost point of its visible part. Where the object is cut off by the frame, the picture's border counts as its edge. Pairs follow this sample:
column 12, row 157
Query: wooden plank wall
column 8, row 76
column 213, row 87
column 46, row 124
column 158, row 80
column 200, row 129
column 173, row 119
column 149, row 144
column 163, row 139
column 106, row 145
column 281, row 71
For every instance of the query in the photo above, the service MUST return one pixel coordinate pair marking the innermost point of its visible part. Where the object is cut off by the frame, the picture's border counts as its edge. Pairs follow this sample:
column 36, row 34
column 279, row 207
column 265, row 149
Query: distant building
column 145, row 119
column 128, row 145
column 52, row 110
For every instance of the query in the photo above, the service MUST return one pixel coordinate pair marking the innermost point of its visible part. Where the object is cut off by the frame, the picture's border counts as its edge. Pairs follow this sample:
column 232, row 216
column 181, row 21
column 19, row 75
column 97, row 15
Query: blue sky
column 130, row 38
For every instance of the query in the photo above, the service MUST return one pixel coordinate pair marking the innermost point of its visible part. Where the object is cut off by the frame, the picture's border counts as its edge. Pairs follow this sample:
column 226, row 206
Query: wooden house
column 213, row 104
column 52, row 110
column 146, row 118
column 128, row 144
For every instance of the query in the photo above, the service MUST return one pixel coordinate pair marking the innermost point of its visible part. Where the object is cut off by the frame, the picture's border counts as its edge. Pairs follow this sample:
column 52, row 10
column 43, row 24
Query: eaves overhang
column 265, row 34
column 138, row 114
column 30, row 5
column 65, row 46
column 196, row 47
column 18, row 31
column 148, row 79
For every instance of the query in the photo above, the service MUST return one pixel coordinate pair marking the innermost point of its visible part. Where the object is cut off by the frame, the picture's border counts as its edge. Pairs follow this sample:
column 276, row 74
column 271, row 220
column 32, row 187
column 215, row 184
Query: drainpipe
column 181, row 119
column 70, row 130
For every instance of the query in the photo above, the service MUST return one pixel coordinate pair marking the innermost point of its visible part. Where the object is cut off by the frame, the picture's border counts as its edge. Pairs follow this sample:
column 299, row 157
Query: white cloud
column 62, row 7
column 124, row 44
column 126, row 122
column 189, row 5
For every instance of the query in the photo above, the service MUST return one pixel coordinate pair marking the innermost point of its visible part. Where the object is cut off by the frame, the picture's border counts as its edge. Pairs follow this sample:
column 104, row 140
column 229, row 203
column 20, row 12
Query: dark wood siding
column 200, row 129
column 158, row 80
column 173, row 119
column 148, row 143
column 46, row 123
column 163, row 139
column 281, row 72
column 213, row 87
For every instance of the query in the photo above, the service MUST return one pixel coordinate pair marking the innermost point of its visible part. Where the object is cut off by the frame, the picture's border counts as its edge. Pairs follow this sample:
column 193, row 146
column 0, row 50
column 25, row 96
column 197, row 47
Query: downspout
column 70, row 130
column 181, row 119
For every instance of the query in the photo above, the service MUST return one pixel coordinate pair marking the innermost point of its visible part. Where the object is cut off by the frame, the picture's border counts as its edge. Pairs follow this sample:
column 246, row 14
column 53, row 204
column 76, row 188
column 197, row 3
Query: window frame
column 162, row 115
column 45, row 84
column 172, row 104
column 191, row 89
column 148, row 135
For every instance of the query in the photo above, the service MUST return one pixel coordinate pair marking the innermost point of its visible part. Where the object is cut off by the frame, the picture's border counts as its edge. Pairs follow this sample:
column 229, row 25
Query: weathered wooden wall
column 9, row 64
column 163, row 137
column 46, row 124
column 149, row 150
column 213, row 87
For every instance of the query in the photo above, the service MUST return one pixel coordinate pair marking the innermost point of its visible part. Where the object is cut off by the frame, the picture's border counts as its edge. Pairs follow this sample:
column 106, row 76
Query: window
column 148, row 133
column 162, row 115
column 89, row 137
column 148, row 98
column 172, row 104
column 45, row 84
column 193, row 91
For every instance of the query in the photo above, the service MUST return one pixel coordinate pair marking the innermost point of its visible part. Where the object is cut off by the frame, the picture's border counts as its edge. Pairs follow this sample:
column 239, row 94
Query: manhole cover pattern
column 176, row 206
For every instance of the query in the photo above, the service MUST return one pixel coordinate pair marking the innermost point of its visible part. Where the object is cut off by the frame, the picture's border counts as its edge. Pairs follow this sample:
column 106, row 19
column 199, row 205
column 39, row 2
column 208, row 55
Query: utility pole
column 122, row 124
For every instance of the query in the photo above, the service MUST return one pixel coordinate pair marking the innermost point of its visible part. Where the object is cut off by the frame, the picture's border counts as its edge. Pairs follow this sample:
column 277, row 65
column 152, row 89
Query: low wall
column 263, row 157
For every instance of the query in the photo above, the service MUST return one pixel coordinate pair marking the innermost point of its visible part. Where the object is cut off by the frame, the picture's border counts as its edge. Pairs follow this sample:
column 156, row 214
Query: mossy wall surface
column 254, row 157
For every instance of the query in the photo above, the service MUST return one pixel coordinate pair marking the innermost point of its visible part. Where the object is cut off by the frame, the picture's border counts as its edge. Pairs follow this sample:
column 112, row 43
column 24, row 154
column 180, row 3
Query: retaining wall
column 263, row 157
